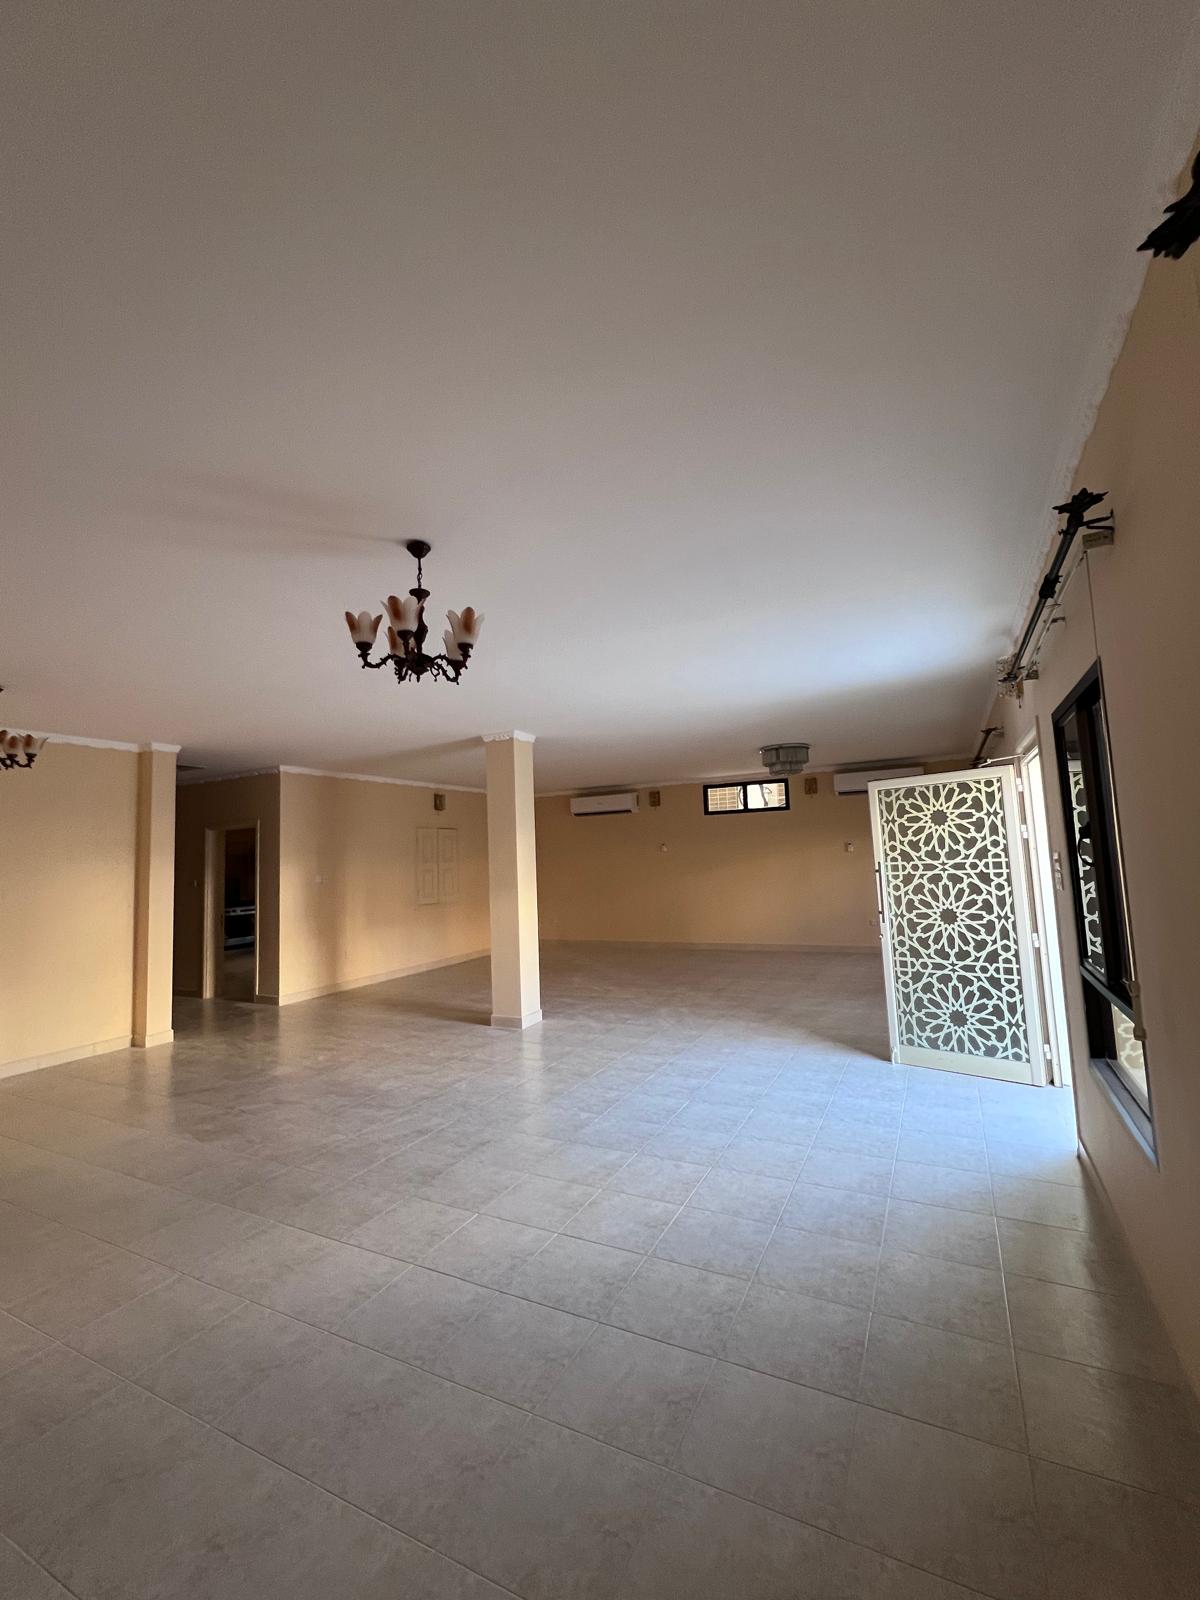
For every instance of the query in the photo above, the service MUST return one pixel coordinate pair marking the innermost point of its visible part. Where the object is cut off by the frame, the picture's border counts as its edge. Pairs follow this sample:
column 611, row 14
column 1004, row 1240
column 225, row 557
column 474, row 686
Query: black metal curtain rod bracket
column 985, row 736
column 1095, row 530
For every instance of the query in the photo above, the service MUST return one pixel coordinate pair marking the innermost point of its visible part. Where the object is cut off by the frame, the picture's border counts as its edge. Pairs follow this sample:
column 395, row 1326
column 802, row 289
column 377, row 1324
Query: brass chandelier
column 407, row 632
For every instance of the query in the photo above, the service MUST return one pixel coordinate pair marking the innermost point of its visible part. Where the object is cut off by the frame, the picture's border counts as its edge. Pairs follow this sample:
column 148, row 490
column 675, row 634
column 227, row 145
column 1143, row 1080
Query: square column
column 154, row 896
column 512, row 879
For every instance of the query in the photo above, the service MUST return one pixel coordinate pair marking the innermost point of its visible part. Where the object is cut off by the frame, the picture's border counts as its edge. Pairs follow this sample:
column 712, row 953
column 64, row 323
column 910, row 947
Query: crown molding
column 371, row 777
column 188, row 781
column 103, row 744
column 505, row 738
column 92, row 744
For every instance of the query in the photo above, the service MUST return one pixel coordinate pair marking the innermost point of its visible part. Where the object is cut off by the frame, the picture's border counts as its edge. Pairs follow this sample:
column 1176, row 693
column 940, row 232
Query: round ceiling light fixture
column 782, row 760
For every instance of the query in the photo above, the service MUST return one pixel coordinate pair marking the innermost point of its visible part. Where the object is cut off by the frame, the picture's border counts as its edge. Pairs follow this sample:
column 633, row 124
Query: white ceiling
column 727, row 354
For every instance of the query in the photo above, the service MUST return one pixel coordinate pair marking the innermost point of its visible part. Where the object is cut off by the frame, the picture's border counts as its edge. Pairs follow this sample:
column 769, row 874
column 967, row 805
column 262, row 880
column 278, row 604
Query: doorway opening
column 232, row 923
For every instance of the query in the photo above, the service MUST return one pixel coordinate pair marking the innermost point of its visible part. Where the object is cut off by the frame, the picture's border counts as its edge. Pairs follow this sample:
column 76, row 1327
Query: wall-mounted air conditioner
column 856, row 782
column 602, row 805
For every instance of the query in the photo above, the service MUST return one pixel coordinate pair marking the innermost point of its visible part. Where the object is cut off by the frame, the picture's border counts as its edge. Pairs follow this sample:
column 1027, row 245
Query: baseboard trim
column 299, row 995
column 147, row 1041
column 529, row 1020
column 695, row 944
column 58, row 1058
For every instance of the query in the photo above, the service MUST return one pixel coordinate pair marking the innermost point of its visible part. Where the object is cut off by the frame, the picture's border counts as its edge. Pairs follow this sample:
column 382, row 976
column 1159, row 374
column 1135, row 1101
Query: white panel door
column 958, row 959
column 427, row 867
column 447, row 864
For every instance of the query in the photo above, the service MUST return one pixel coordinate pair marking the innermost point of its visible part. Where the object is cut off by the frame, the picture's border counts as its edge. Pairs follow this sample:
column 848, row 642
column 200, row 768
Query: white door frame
column 1041, row 883
column 948, row 1061
column 213, row 938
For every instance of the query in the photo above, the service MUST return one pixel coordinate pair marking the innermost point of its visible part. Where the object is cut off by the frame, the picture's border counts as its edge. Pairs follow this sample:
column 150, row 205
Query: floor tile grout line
column 406, row 1265
column 119, row 1247
column 1031, row 1476
column 33, row 1561
column 1015, row 1362
column 131, row 1380
column 862, row 1366
column 173, row 1274
column 279, row 1465
column 737, row 1313
column 333, row 1239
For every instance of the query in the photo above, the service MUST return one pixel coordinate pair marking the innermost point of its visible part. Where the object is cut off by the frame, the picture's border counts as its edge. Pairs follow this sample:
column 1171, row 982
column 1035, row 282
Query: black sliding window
column 1101, row 910
column 722, row 798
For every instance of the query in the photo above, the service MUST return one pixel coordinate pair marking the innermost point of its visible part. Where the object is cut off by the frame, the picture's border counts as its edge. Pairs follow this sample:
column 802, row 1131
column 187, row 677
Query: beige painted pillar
column 154, row 896
column 512, row 877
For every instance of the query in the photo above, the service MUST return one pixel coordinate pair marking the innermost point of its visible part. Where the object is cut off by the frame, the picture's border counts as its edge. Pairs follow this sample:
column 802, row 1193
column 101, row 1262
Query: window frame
column 745, row 809
column 1114, row 988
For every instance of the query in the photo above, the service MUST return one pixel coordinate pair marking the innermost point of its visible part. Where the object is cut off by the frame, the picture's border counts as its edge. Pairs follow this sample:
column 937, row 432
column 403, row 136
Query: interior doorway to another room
column 231, row 913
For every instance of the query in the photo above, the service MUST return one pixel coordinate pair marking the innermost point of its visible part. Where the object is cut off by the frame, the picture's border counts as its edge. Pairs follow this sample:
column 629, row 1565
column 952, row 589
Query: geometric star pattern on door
column 953, row 921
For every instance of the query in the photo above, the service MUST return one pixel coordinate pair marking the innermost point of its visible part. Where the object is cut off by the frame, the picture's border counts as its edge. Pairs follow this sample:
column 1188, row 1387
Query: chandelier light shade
column 18, row 749
column 781, row 760
column 407, row 632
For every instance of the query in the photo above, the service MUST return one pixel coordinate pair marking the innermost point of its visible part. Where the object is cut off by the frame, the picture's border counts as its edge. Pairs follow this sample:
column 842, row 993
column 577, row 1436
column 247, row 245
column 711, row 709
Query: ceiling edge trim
column 98, row 744
column 370, row 777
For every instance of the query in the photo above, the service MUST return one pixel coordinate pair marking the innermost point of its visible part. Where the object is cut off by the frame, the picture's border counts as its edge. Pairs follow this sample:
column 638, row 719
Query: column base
column 529, row 1020
column 147, row 1041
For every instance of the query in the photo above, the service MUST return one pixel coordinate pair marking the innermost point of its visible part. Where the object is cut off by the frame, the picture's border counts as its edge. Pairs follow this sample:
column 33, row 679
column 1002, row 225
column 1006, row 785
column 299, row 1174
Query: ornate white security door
column 957, row 947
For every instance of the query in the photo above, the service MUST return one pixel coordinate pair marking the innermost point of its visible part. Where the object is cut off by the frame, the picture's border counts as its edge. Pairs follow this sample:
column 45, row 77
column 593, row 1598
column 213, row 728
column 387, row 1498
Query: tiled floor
column 686, row 1294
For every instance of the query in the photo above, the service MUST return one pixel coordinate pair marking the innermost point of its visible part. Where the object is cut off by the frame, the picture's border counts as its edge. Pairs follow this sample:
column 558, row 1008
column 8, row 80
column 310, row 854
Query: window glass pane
column 1130, row 1058
column 766, row 796
column 1102, row 922
column 1083, row 810
column 725, row 797
column 720, row 797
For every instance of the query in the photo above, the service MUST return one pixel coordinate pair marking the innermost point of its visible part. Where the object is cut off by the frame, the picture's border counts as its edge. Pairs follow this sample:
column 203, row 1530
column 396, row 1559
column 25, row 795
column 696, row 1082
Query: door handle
column 879, row 893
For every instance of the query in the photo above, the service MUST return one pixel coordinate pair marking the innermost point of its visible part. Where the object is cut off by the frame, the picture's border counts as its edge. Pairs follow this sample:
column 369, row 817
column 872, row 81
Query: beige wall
column 67, row 872
column 765, row 878
column 348, row 903
column 1145, row 591
column 229, row 803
